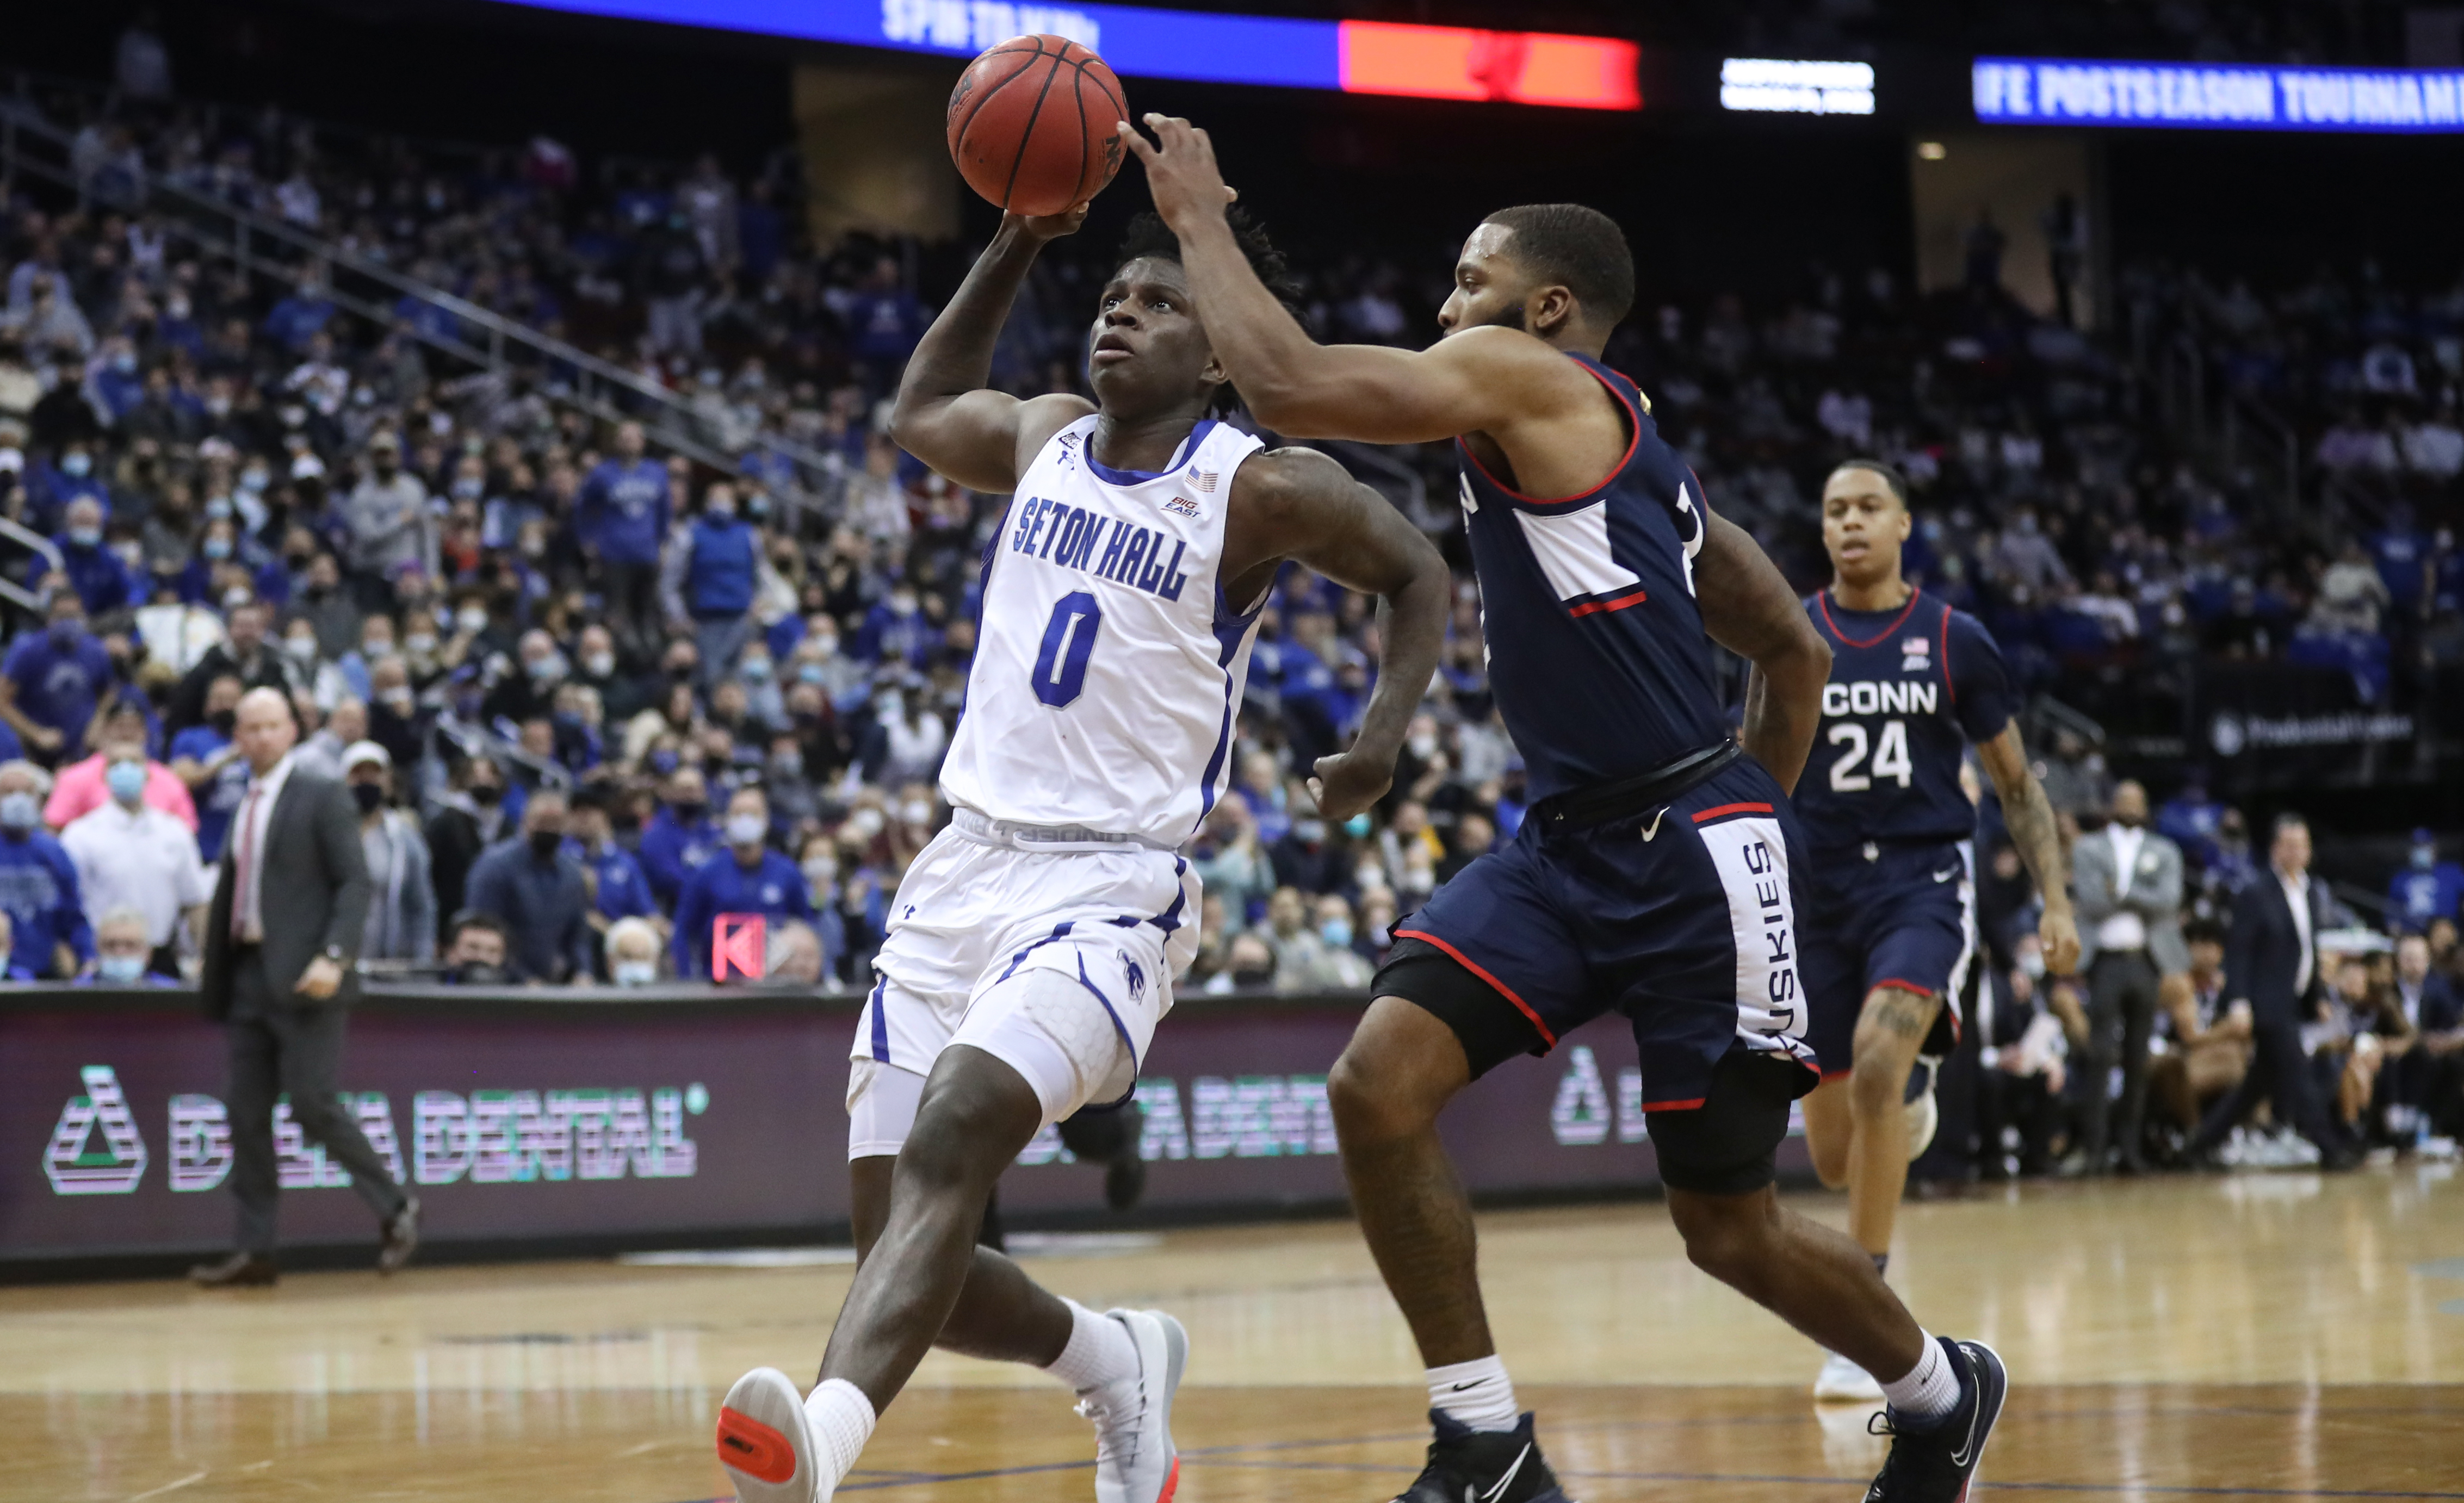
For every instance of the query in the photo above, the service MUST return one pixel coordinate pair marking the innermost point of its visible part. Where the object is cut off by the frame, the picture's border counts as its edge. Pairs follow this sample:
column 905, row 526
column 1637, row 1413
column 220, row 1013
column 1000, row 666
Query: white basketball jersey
column 1108, row 665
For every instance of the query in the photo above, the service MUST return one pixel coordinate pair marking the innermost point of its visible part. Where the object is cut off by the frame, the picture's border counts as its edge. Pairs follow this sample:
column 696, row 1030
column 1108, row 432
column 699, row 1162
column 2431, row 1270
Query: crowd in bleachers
column 591, row 694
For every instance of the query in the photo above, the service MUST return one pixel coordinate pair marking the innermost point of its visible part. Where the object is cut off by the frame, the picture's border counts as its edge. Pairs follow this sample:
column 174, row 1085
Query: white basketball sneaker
column 764, row 1444
column 1925, row 1115
column 1844, row 1382
column 1135, row 1459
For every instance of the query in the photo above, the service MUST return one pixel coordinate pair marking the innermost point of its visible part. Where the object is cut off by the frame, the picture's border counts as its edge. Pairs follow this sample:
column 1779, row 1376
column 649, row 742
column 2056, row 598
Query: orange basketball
column 1031, row 124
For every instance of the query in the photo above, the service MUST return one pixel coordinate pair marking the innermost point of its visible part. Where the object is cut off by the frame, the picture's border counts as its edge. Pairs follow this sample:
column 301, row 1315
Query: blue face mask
column 19, row 812
column 121, row 970
column 1336, row 932
column 78, row 465
column 85, row 536
column 663, row 762
column 810, row 672
column 218, row 548
column 757, row 669
column 1357, row 826
column 126, row 781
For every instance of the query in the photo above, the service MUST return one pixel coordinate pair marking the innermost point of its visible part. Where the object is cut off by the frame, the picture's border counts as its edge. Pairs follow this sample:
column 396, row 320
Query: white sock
column 1477, row 1393
column 1930, row 1389
column 841, row 1420
column 1099, row 1352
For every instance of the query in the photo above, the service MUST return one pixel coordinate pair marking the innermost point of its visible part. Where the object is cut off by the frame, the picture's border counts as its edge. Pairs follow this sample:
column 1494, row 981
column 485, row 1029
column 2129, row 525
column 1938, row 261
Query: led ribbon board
column 1440, row 62
column 2054, row 90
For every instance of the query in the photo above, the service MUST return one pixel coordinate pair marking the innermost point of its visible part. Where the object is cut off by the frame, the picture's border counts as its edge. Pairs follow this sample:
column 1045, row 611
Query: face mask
column 826, row 646
column 253, row 480
column 663, row 762
column 757, row 669
column 719, row 510
column 747, row 829
column 78, row 465
column 367, row 795
column 218, row 548
column 2033, row 965
column 599, row 664
column 545, row 668
column 121, row 970
column 893, row 706
column 397, row 699
column 223, row 720
column 218, row 507
column 865, row 824
column 916, row 811
column 1423, row 747
column 303, row 650
column 689, row 813
column 1250, row 979
column 18, row 812
column 483, row 975
column 420, row 643
column 123, row 362
column 810, row 672
column 2424, row 858
column 756, row 504
column 789, row 763
column 820, row 872
column 1357, row 826
column 1336, row 932
column 473, row 621
column 126, row 781
column 902, row 604
column 636, row 972
column 466, row 489
column 1309, row 831
column 85, row 536
column 487, row 796
column 545, row 844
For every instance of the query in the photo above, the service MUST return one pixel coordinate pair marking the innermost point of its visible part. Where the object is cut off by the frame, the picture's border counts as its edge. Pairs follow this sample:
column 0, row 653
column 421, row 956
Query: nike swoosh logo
column 1946, row 876
column 1461, row 1386
column 1498, row 1490
column 1653, row 828
column 1965, row 1455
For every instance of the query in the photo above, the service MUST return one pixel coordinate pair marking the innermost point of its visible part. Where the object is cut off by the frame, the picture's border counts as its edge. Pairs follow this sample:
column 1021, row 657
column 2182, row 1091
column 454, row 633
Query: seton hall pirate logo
column 1916, row 655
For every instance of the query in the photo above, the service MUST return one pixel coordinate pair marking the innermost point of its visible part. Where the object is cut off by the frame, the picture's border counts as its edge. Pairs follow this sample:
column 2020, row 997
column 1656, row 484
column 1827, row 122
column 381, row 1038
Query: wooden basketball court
column 2255, row 1337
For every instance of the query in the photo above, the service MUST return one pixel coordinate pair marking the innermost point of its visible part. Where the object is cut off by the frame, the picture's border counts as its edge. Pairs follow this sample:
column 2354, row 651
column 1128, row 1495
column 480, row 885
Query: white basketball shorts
column 1058, row 963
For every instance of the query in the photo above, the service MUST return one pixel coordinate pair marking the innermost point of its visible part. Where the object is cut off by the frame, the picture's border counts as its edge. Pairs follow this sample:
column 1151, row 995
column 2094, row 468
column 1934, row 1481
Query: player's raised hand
column 1348, row 782
column 1181, row 173
column 1043, row 227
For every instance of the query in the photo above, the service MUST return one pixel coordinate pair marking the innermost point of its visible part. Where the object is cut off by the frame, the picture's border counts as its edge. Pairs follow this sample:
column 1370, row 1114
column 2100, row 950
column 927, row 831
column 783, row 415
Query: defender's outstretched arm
column 1475, row 381
column 1749, row 608
column 981, row 439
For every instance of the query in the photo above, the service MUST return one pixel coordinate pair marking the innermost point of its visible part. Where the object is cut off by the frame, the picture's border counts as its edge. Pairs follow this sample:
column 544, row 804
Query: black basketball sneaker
column 1935, row 1465
column 1470, row 1466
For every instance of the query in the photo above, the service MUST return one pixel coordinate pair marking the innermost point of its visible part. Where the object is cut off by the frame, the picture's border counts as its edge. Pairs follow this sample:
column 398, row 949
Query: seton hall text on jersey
column 1867, row 697
column 1106, row 546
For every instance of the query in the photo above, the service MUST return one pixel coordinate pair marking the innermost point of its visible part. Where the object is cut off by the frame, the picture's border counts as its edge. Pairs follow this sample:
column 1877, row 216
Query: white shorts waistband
column 1057, row 838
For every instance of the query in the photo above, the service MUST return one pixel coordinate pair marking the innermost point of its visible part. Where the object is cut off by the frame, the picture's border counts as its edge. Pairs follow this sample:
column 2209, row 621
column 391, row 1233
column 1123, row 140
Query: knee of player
column 965, row 1137
column 1725, row 1234
column 1370, row 1101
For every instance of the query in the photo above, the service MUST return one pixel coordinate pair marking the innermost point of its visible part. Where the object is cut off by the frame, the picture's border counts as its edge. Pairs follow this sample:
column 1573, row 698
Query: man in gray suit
column 291, row 905
column 2126, row 884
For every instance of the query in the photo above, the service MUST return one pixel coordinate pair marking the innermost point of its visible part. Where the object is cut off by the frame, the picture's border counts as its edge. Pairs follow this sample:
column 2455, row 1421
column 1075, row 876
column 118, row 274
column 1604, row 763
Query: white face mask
column 636, row 972
column 747, row 829
column 916, row 811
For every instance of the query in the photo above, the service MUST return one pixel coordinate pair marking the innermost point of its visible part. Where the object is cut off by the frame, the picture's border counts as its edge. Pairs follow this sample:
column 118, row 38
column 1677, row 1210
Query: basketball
column 1031, row 124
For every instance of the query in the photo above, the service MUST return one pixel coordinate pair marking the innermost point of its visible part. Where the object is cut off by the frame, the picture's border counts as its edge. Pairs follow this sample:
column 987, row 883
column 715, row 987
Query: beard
column 1516, row 317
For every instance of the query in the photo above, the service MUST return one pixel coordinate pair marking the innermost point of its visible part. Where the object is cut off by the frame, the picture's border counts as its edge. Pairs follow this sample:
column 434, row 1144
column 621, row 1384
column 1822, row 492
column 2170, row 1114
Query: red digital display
column 1446, row 62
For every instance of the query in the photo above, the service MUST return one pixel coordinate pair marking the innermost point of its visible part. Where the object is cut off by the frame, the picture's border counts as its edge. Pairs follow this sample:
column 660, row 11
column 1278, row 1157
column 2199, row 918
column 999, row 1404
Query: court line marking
column 169, row 1487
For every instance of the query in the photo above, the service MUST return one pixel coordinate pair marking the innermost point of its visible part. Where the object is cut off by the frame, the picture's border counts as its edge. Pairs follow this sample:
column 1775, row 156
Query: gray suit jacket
column 314, row 895
column 2155, row 894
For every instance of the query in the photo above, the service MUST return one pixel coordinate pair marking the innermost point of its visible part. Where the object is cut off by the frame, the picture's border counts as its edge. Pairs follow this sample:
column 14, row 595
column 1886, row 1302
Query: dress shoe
column 240, row 1271
column 401, row 1237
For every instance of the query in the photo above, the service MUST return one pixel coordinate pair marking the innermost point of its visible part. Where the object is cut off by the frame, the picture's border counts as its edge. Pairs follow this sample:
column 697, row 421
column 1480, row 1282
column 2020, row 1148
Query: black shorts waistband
column 1579, row 808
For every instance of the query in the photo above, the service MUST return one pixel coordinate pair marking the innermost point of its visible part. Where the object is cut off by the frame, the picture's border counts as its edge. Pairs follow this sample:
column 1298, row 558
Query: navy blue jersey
column 1595, row 646
column 1909, row 689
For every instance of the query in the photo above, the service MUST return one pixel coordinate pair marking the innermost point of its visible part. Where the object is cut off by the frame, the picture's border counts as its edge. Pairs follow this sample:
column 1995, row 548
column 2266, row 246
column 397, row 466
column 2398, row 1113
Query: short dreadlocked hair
column 1147, row 235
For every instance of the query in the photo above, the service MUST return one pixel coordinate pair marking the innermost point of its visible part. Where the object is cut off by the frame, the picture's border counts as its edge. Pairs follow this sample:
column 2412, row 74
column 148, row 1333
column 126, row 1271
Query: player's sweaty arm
column 1749, row 608
column 1479, row 381
column 1297, row 504
column 983, row 439
column 2028, row 815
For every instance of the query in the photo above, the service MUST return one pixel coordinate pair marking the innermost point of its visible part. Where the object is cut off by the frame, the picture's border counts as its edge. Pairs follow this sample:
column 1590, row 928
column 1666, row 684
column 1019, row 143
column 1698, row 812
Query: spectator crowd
column 592, row 695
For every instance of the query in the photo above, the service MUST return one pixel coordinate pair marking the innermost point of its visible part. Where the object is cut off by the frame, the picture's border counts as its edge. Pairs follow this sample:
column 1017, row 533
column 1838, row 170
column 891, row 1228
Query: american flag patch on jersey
column 1917, row 647
column 1206, row 479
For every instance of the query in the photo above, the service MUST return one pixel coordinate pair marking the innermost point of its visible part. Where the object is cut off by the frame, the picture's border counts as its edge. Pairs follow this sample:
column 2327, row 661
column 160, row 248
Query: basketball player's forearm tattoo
column 2030, row 819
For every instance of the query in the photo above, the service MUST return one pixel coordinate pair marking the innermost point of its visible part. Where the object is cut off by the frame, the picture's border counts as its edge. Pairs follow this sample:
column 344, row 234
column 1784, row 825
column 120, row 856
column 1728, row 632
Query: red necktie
column 245, row 866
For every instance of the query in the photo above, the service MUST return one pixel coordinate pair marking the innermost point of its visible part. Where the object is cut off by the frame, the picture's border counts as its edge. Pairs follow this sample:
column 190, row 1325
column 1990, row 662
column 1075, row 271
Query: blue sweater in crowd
column 100, row 577
column 624, row 510
column 58, row 681
column 623, row 891
column 671, row 849
column 38, row 887
column 719, row 579
column 721, row 885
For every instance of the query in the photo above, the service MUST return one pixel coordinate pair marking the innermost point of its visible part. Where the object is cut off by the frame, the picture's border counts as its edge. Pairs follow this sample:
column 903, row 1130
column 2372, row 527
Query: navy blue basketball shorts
column 1684, row 920
column 1905, row 917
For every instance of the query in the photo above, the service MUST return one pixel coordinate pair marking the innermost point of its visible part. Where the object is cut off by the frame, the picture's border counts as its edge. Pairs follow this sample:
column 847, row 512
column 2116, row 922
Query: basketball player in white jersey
column 1032, row 946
